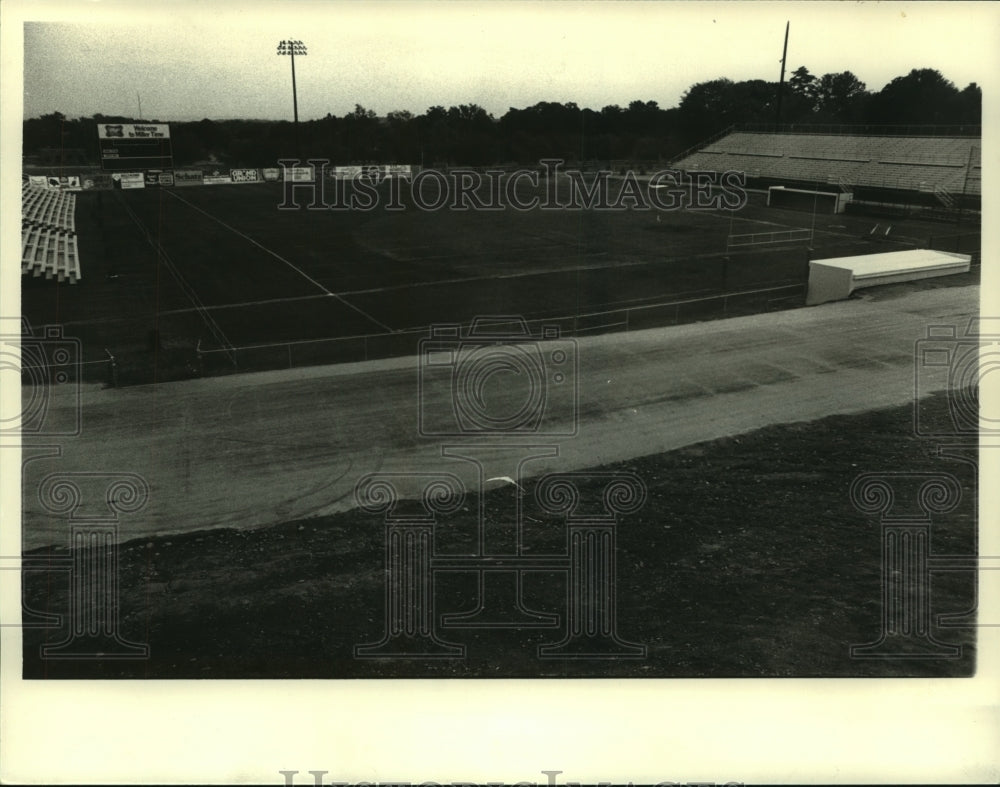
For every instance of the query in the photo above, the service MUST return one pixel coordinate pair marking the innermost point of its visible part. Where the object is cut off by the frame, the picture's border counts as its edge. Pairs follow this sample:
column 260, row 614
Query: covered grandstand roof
column 908, row 163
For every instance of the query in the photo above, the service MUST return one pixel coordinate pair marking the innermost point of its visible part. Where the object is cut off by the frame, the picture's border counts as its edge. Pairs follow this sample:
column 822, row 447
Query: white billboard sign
column 133, row 131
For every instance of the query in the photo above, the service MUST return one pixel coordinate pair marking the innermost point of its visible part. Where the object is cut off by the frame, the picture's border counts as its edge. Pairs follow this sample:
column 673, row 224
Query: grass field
column 223, row 266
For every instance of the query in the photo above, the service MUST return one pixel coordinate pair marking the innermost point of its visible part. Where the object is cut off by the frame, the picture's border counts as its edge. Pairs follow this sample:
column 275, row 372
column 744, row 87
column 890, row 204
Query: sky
column 191, row 60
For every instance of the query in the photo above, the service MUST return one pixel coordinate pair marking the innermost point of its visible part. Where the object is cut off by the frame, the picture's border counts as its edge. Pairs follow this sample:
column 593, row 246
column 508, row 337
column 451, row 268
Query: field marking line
column 185, row 287
column 434, row 283
column 262, row 302
column 277, row 256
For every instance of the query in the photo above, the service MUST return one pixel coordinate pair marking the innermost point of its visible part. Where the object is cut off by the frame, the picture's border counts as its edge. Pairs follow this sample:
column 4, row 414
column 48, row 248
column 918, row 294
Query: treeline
column 468, row 135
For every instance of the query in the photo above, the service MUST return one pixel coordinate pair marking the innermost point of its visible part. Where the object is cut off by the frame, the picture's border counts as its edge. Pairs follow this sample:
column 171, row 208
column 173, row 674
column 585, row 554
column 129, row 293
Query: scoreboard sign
column 131, row 146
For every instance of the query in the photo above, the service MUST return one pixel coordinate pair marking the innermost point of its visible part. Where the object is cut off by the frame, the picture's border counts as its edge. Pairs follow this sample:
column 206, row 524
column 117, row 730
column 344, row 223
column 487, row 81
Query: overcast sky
column 217, row 60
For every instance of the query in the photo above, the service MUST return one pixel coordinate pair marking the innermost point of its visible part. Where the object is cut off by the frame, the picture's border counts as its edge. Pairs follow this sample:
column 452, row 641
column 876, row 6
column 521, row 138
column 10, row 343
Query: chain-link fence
column 291, row 355
column 970, row 243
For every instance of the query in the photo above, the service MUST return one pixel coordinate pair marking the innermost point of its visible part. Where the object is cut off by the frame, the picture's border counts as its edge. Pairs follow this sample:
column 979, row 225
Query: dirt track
column 250, row 450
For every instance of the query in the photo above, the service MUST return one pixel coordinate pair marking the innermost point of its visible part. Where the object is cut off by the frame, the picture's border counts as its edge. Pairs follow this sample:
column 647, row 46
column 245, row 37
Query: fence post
column 201, row 362
column 289, row 355
column 112, row 368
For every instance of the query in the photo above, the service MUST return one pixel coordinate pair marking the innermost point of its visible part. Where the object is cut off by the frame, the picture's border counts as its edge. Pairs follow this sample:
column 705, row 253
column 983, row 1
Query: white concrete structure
column 836, row 278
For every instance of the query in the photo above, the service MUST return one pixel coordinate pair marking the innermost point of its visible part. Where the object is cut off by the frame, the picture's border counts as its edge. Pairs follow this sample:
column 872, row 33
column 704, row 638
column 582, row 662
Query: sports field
column 168, row 271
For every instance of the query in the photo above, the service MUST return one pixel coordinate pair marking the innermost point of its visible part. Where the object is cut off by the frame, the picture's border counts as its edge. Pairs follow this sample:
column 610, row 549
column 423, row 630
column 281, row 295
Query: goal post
column 809, row 200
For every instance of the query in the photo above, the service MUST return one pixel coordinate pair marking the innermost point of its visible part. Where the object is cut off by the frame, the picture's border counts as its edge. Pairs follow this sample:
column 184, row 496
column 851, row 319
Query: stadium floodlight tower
column 293, row 47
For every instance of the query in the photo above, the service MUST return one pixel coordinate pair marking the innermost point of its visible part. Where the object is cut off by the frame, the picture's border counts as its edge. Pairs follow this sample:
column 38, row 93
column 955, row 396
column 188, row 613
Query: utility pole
column 294, row 47
column 965, row 187
column 781, row 82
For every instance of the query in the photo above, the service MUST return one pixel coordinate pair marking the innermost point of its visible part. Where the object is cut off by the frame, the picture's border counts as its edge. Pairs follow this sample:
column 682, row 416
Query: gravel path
column 251, row 450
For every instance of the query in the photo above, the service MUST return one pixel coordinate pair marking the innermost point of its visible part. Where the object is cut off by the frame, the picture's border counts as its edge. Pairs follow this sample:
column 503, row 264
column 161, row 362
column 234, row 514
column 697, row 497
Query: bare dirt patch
column 747, row 560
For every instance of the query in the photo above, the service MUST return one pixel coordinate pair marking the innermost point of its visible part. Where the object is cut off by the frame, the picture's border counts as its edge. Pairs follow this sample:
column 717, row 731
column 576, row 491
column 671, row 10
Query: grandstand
column 48, row 234
column 941, row 171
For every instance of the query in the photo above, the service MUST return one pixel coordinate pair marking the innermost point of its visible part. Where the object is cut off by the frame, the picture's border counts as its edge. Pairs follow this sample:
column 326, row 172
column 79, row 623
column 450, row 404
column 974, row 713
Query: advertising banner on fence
column 129, row 180
column 152, row 178
column 187, row 177
column 65, row 182
column 98, row 182
column 166, row 178
column 216, row 179
column 60, row 182
column 271, row 173
column 244, row 175
column 372, row 171
column 299, row 174
column 345, row 173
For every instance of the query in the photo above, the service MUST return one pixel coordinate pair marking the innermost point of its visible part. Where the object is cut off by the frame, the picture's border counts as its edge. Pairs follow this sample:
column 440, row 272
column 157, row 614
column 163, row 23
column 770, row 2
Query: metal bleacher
column 944, row 166
column 48, row 234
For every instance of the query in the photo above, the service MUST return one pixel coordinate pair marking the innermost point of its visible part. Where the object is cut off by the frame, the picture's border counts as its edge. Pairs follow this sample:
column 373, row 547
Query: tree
column 840, row 98
column 470, row 130
column 360, row 134
column 970, row 105
column 803, row 84
column 709, row 107
column 922, row 96
column 401, row 142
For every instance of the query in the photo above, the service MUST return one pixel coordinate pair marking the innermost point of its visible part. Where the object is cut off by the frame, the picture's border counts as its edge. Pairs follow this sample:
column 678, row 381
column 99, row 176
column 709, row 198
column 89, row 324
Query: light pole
column 293, row 48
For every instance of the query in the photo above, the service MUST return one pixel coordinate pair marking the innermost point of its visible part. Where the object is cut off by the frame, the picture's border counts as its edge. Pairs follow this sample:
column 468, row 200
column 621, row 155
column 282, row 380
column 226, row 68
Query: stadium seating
column 48, row 234
column 931, row 164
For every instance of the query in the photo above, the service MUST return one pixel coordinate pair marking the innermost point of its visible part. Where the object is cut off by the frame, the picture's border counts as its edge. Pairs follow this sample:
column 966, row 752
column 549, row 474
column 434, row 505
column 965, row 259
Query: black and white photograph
column 564, row 359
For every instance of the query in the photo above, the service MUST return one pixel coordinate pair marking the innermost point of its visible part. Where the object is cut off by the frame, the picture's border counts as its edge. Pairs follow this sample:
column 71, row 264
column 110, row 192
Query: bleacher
column 48, row 234
column 936, row 165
